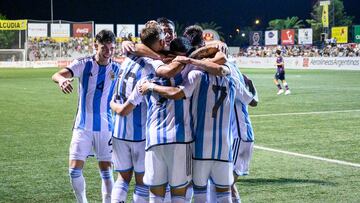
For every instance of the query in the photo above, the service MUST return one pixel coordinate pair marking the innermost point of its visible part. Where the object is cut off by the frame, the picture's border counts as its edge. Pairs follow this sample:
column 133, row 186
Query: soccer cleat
column 287, row 92
column 280, row 91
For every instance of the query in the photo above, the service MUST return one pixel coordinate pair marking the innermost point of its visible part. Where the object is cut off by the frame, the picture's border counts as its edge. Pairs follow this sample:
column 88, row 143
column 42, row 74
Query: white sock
column 223, row 197
column 199, row 195
column 189, row 194
column 78, row 184
column 155, row 199
column 236, row 198
column 119, row 191
column 211, row 192
column 167, row 198
column 141, row 194
column 106, row 185
column 177, row 199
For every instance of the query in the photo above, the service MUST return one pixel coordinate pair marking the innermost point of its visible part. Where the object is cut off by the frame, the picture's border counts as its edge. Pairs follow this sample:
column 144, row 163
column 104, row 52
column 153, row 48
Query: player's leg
column 285, row 84
column 121, row 157
column 80, row 148
column 103, row 149
column 201, row 174
column 222, row 175
column 211, row 192
column 179, row 173
column 235, row 195
column 155, row 173
column 141, row 191
column 276, row 78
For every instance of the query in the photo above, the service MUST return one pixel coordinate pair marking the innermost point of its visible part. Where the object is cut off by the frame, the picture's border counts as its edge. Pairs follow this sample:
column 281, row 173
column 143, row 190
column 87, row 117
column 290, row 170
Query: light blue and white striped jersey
column 212, row 107
column 168, row 121
column 132, row 127
column 241, row 123
column 96, row 85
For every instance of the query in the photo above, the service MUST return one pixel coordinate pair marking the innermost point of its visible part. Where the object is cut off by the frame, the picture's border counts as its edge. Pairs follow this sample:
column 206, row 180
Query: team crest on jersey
column 112, row 75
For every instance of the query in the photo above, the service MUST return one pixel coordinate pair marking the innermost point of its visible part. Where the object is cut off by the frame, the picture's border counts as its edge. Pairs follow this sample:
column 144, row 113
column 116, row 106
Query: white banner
column 139, row 28
column 60, row 30
column 331, row 63
column 37, row 30
column 271, row 37
column 125, row 30
column 99, row 27
column 305, row 36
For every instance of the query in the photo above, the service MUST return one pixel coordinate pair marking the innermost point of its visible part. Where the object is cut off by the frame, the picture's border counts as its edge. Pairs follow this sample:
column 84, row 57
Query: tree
column 179, row 28
column 7, row 37
column 213, row 26
column 340, row 16
column 288, row 23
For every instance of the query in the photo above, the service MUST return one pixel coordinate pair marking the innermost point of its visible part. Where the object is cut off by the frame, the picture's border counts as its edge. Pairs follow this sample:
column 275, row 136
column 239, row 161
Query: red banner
column 288, row 37
column 82, row 30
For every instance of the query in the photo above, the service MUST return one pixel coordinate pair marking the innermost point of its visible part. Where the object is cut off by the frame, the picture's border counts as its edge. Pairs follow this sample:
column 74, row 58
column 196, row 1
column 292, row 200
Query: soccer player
column 280, row 74
column 93, row 125
column 130, row 128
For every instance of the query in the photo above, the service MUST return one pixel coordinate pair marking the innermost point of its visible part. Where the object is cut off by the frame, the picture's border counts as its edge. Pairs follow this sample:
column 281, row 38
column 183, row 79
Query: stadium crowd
column 42, row 49
column 339, row 50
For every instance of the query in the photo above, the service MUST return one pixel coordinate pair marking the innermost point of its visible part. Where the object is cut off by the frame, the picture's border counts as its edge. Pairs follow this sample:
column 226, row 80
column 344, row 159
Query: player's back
column 132, row 127
column 168, row 120
column 212, row 107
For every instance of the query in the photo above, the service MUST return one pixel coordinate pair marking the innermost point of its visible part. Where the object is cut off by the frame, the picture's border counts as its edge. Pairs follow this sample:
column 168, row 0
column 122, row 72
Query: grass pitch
column 36, row 121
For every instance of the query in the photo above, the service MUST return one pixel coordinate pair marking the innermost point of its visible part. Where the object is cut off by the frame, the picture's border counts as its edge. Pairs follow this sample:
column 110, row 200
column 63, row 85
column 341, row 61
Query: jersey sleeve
column 242, row 93
column 155, row 64
column 191, row 82
column 76, row 67
column 135, row 96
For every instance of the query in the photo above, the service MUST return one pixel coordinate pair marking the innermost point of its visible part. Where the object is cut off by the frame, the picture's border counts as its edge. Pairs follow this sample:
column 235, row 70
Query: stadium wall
column 329, row 63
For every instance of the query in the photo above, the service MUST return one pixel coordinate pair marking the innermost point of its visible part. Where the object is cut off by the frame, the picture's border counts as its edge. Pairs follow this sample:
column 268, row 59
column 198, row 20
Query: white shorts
column 128, row 156
column 83, row 142
column 170, row 164
column 221, row 173
column 242, row 156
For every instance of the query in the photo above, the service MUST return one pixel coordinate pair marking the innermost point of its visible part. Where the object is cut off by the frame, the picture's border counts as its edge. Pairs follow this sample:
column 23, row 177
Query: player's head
column 105, row 44
column 278, row 52
column 168, row 27
column 153, row 36
column 195, row 34
column 181, row 46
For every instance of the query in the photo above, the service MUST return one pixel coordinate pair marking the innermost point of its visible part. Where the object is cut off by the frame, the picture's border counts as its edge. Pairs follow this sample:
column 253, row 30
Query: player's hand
column 144, row 87
column 182, row 59
column 65, row 85
column 127, row 47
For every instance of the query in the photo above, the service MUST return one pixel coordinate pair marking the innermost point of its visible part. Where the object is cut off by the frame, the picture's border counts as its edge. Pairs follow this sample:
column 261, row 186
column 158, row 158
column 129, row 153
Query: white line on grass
column 309, row 156
column 305, row 113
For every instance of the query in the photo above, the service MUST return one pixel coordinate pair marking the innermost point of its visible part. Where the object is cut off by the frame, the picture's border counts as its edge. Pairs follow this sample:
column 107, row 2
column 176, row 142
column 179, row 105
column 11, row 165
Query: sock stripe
column 75, row 172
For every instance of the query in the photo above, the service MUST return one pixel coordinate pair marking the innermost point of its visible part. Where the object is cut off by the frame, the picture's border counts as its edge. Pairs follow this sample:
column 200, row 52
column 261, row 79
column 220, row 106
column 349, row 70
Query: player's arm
column 122, row 109
column 168, row 92
column 206, row 65
column 169, row 70
column 133, row 100
column 64, row 79
column 139, row 50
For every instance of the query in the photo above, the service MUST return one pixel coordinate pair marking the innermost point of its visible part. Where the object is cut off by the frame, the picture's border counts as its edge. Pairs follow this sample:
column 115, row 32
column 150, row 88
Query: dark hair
column 149, row 35
column 181, row 44
column 105, row 36
column 163, row 20
column 195, row 34
column 278, row 52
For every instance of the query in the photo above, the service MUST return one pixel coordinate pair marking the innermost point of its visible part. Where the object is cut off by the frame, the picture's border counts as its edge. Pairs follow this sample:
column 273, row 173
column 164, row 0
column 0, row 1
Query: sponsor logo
column 271, row 35
column 82, row 30
column 256, row 39
column 9, row 25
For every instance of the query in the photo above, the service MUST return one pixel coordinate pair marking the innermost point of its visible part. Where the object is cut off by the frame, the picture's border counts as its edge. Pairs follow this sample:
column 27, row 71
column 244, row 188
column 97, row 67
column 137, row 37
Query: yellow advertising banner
column 325, row 15
column 13, row 24
column 340, row 34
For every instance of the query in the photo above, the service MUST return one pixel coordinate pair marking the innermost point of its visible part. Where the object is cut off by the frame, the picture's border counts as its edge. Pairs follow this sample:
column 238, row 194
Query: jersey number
column 219, row 102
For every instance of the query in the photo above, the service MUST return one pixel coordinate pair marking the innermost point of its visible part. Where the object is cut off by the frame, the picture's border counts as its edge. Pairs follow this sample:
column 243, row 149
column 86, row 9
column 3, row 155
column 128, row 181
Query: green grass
column 36, row 121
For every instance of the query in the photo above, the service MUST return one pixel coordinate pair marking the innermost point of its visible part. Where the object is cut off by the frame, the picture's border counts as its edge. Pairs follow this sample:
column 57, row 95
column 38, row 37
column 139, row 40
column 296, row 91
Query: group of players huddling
column 180, row 123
